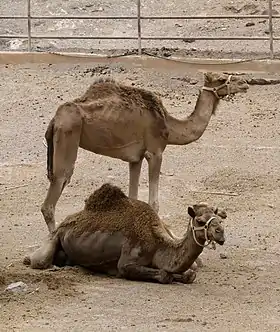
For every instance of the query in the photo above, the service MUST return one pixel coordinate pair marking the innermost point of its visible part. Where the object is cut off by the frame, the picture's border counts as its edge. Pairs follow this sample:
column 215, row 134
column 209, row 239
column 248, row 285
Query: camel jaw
column 220, row 242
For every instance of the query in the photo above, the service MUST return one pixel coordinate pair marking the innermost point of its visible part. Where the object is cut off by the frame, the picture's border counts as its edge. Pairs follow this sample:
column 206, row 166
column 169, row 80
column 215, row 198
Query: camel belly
column 93, row 249
column 119, row 140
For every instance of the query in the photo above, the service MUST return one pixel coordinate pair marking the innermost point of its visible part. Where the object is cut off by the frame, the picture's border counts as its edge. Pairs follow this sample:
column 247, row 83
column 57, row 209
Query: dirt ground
column 239, row 153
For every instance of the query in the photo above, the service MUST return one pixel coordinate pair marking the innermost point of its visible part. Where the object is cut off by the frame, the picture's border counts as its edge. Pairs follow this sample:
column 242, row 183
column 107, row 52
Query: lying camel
column 125, row 237
column 127, row 123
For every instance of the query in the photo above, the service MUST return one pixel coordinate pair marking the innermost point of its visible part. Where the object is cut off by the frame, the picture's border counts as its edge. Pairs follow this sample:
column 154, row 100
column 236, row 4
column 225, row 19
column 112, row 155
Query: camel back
column 142, row 99
column 109, row 210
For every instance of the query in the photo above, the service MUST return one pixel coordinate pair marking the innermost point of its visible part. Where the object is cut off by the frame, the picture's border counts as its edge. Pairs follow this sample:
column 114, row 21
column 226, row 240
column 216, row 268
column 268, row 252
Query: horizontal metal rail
column 85, row 17
column 139, row 17
column 135, row 38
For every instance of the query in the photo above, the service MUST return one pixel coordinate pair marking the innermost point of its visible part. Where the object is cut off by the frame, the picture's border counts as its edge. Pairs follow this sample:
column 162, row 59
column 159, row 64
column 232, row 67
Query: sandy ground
column 239, row 152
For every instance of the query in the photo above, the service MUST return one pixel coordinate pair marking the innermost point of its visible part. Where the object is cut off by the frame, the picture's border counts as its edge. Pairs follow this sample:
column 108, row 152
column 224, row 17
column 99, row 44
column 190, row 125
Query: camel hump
column 104, row 198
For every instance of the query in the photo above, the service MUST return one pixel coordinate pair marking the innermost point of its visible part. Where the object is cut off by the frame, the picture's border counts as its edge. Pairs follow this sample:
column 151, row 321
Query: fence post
column 270, row 29
column 29, row 24
column 139, row 27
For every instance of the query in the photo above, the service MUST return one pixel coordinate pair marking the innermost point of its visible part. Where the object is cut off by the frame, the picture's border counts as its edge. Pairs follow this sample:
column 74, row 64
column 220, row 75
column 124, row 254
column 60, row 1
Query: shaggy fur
column 108, row 209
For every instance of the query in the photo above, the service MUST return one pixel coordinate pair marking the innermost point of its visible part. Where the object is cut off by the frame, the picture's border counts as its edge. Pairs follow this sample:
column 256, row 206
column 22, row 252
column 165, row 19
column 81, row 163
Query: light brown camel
column 128, row 123
column 125, row 237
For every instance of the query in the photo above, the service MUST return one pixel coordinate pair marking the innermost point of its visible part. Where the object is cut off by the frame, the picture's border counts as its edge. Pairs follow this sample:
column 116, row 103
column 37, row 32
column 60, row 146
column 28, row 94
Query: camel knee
column 38, row 261
column 193, row 266
column 124, row 270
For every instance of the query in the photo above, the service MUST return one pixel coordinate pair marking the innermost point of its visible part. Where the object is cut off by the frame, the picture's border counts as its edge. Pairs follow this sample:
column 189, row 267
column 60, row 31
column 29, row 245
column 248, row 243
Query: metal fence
column 30, row 36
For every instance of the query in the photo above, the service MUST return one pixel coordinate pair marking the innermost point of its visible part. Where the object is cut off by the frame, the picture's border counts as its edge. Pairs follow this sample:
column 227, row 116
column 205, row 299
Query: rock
column 249, row 24
column 266, row 12
column 166, row 54
column 178, row 25
column 223, row 256
column 193, row 82
column 17, row 287
column 188, row 40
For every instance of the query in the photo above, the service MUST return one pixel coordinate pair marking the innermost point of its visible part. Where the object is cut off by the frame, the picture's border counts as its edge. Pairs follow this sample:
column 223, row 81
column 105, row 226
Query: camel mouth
column 220, row 242
column 244, row 88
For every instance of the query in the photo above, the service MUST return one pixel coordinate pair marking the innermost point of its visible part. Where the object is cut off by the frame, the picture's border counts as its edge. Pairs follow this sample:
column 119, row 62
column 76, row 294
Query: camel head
column 206, row 224
column 223, row 84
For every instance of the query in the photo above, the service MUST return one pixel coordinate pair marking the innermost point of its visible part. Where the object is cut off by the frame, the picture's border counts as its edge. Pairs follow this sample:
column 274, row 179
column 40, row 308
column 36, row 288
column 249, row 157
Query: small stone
column 188, row 40
column 189, row 319
column 17, row 287
column 223, row 256
column 270, row 205
column 249, row 24
column 166, row 54
column 266, row 12
column 178, row 25
column 204, row 323
column 193, row 82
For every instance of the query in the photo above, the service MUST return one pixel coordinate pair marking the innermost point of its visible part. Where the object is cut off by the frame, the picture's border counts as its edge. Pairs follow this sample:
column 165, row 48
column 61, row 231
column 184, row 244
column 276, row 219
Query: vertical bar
column 270, row 22
column 29, row 24
column 139, row 27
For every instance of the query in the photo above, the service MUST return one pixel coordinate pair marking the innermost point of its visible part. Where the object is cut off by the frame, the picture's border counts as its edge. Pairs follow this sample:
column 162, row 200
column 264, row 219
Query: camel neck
column 179, row 257
column 188, row 130
column 188, row 250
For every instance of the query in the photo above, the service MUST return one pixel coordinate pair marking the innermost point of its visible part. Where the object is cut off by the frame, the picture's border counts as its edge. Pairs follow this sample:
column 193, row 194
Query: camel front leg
column 133, row 265
column 133, row 271
column 134, row 175
column 48, row 207
column 154, row 162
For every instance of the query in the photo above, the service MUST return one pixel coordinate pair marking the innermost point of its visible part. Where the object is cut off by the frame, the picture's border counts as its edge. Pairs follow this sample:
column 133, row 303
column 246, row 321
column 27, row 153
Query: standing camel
column 127, row 123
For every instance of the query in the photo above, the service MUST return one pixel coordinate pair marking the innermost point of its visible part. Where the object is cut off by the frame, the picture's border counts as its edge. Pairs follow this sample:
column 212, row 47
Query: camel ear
column 191, row 212
column 221, row 213
column 208, row 77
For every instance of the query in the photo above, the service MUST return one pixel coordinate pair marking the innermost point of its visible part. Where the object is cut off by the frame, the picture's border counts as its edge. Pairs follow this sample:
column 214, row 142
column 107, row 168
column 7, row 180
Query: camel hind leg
column 67, row 126
column 43, row 257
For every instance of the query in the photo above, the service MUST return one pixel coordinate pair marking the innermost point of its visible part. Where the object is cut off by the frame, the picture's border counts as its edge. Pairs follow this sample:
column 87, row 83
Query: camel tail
column 50, row 149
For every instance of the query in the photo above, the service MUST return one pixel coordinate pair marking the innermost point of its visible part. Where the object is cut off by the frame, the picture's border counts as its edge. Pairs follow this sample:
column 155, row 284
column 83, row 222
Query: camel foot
column 165, row 277
column 188, row 277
